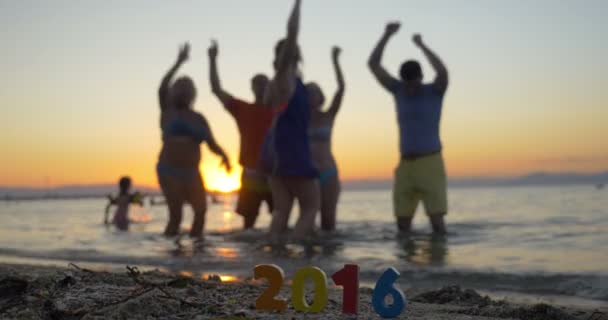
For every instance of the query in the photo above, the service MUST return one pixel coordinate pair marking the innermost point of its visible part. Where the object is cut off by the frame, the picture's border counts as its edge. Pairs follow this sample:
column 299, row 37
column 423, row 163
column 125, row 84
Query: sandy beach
column 72, row 292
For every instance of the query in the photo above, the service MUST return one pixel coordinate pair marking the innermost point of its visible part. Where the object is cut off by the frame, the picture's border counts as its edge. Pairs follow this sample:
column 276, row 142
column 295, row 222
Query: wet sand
column 34, row 292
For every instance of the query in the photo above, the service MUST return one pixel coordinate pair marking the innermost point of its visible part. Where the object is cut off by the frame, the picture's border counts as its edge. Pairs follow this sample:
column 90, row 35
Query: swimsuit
column 320, row 134
column 286, row 149
column 180, row 128
column 323, row 135
column 181, row 174
column 327, row 174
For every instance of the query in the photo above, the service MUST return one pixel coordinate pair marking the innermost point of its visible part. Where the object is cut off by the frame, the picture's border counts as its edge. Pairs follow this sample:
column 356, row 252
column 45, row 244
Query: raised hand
column 417, row 38
column 226, row 164
column 392, row 28
column 184, row 53
column 335, row 52
column 293, row 25
column 213, row 49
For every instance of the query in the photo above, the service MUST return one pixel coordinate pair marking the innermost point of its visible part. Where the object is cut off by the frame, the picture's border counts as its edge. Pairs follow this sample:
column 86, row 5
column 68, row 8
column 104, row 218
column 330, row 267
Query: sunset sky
column 79, row 79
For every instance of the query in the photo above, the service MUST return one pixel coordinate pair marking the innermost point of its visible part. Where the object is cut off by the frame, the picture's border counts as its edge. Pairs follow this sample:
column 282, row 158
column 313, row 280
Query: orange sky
column 78, row 92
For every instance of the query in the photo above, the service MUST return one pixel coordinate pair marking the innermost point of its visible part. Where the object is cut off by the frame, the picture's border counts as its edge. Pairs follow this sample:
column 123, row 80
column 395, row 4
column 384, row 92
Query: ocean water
column 546, row 244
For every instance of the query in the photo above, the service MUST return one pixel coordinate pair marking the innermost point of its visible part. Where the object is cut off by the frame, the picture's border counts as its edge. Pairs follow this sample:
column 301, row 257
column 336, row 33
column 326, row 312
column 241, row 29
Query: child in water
column 122, row 201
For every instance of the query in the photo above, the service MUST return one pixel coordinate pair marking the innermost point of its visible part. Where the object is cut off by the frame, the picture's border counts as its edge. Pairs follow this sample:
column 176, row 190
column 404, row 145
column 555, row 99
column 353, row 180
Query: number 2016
column 347, row 277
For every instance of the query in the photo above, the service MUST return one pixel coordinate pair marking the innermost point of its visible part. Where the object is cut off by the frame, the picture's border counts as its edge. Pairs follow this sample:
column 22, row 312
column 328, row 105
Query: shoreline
column 72, row 292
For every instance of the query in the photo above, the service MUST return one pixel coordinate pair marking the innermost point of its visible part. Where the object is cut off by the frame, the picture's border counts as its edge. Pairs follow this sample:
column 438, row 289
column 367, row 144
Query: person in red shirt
column 253, row 121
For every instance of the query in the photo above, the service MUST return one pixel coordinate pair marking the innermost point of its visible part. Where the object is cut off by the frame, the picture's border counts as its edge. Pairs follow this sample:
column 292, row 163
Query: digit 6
column 384, row 287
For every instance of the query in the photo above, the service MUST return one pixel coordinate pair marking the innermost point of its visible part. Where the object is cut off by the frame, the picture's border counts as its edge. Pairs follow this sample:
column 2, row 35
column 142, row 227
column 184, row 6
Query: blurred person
column 183, row 131
column 286, row 154
column 122, row 202
column 319, row 134
column 253, row 121
column 421, row 173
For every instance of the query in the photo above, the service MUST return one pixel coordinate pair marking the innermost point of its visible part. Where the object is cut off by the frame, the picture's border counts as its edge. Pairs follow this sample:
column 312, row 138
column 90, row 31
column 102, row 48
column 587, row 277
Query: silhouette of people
column 122, row 203
column 183, row 130
column 253, row 121
column 286, row 154
column 421, row 172
column 319, row 133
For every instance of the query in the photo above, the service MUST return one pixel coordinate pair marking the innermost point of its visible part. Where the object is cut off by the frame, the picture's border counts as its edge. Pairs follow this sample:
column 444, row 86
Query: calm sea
column 536, row 243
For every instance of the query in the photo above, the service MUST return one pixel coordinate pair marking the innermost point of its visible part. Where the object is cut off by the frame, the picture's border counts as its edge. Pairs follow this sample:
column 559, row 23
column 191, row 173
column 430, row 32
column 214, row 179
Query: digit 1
column 275, row 276
column 319, row 279
column 348, row 278
column 384, row 287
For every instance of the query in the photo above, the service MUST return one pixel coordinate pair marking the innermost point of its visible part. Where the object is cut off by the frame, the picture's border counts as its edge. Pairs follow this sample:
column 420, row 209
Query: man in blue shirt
column 420, row 175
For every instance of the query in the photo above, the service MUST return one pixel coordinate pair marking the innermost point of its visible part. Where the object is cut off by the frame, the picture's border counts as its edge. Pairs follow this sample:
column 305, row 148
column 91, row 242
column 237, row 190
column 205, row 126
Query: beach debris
column 214, row 277
column 135, row 274
column 539, row 311
column 67, row 281
column 244, row 313
column 454, row 295
column 75, row 266
column 73, row 294
column 597, row 315
column 12, row 291
column 180, row 283
column 11, row 287
column 479, row 305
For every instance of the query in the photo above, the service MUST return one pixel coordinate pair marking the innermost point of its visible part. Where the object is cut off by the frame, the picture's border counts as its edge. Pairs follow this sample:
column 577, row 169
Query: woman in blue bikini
column 184, row 130
column 319, row 134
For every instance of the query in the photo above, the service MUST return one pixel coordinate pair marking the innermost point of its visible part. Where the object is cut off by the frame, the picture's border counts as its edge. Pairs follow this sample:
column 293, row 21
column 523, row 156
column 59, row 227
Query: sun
column 225, row 184
column 220, row 181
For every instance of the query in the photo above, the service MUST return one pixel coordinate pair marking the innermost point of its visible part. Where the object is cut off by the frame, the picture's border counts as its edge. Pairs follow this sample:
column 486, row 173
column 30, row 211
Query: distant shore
column 595, row 180
column 34, row 292
column 53, row 197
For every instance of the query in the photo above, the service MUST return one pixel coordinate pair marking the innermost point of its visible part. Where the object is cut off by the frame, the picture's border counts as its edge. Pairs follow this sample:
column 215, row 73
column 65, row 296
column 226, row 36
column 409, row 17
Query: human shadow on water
column 423, row 250
column 300, row 250
column 256, row 240
column 189, row 248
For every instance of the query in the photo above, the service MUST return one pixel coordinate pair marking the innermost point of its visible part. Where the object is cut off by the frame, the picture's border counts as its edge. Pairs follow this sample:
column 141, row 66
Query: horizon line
column 346, row 180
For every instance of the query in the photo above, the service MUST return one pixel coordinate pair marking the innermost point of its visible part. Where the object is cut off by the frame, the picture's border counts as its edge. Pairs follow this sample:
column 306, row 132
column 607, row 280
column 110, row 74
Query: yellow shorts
column 420, row 179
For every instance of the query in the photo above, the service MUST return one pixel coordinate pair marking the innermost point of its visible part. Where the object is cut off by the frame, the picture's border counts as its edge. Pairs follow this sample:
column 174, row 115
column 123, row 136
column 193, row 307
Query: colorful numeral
column 385, row 287
column 275, row 277
column 319, row 280
column 348, row 278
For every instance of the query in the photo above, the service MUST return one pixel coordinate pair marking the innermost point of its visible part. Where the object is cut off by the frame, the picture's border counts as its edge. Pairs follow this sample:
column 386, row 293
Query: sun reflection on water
column 229, row 253
column 206, row 276
column 185, row 273
column 225, row 278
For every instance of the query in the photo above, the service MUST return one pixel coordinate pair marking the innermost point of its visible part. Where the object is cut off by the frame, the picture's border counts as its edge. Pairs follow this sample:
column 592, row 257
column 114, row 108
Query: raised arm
column 214, row 77
column 375, row 60
column 111, row 201
column 337, row 101
column 441, row 79
column 282, row 86
column 215, row 147
column 163, row 91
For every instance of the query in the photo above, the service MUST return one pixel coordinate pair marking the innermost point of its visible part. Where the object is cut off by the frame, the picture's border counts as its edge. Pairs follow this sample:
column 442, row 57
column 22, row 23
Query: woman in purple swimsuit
column 286, row 155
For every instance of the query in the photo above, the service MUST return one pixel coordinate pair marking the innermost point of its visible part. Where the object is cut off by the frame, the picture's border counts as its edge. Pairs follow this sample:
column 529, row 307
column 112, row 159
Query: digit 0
column 348, row 278
column 385, row 287
column 319, row 280
column 275, row 276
